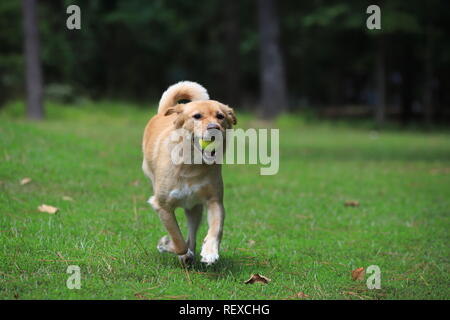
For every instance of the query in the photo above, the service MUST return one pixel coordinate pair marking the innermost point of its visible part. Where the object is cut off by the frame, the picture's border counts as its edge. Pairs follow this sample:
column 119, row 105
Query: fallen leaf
column 352, row 203
column 257, row 278
column 358, row 274
column 48, row 209
column 25, row 181
column 140, row 296
column 67, row 198
column 251, row 243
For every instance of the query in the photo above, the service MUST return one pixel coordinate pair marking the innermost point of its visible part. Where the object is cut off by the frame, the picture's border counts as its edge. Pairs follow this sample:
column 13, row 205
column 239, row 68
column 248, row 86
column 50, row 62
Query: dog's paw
column 209, row 258
column 188, row 258
column 164, row 244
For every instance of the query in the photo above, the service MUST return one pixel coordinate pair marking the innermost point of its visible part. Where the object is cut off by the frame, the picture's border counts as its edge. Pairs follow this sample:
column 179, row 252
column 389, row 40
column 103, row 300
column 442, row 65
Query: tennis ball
column 204, row 143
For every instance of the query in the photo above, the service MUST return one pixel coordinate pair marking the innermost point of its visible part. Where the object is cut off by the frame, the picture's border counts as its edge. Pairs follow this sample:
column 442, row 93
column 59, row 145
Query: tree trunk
column 380, row 83
column 33, row 75
column 407, row 83
column 232, row 43
column 428, row 94
column 272, row 77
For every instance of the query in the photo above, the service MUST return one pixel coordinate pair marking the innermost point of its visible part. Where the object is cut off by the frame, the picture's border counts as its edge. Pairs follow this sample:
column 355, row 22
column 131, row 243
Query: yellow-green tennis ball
column 204, row 143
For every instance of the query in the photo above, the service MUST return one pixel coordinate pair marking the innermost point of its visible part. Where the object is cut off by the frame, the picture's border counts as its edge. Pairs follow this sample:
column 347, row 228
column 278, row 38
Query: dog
column 189, row 186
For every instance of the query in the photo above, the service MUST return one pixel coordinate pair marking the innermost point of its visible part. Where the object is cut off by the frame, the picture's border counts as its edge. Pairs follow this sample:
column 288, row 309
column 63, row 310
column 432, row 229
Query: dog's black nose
column 212, row 126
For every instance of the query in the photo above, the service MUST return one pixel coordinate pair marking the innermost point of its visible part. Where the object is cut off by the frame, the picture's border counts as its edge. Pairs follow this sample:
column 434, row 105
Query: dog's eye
column 197, row 116
column 220, row 116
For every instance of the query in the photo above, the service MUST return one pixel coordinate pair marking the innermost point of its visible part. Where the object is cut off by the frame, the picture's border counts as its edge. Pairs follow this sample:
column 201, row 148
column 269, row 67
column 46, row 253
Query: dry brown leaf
column 140, row 296
column 48, row 209
column 302, row 295
column 358, row 274
column 67, row 198
column 257, row 278
column 25, row 181
column 352, row 203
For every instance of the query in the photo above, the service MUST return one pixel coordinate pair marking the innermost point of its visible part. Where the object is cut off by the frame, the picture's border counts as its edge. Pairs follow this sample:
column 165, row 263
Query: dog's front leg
column 211, row 244
column 175, row 243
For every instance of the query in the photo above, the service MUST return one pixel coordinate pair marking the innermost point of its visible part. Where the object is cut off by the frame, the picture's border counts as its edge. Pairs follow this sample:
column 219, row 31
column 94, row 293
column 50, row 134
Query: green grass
column 292, row 227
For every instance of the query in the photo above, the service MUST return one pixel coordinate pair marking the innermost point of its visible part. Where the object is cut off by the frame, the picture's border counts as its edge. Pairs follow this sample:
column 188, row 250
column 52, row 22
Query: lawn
column 293, row 227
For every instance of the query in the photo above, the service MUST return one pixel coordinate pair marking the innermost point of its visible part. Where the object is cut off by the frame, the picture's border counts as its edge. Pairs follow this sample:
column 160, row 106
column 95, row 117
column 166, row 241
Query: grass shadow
column 229, row 265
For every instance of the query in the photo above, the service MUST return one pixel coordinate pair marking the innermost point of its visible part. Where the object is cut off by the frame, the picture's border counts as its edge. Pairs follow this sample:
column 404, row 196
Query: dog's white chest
column 186, row 196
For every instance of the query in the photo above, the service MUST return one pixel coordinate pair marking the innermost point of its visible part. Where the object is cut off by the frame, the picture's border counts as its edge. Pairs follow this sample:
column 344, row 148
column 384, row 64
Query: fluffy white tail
column 184, row 90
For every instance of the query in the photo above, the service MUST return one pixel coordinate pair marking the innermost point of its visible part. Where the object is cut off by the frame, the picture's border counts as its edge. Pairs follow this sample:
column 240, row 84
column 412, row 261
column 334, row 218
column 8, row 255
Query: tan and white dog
column 189, row 186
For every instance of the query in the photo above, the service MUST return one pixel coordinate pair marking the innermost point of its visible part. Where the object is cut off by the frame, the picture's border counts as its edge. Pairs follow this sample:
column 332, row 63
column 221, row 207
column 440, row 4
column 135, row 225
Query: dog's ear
column 229, row 113
column 178, row 108
column 232, row 115
column 179, row 121
column 169, row 111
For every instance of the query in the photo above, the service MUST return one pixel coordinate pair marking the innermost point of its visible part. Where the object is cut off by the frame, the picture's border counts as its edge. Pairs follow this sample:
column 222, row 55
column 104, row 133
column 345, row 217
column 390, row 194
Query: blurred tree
column 33, row 64
column 400, row 22
column 380, row 81
column 433, row 33
column 232, row 54
column 11, row 50
column 272, row 77
column 429, row 75
column 134, row 49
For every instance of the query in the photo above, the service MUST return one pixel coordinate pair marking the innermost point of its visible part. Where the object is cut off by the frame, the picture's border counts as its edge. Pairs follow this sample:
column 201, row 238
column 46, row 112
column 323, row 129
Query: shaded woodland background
column 263, row 56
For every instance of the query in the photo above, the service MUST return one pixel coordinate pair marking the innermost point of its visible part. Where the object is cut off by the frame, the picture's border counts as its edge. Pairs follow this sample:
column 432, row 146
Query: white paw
column 209, row 258
column 164, row 244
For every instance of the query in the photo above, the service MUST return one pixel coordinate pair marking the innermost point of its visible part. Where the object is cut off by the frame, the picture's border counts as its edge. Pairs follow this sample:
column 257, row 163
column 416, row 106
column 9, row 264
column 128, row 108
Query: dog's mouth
column 207, row 146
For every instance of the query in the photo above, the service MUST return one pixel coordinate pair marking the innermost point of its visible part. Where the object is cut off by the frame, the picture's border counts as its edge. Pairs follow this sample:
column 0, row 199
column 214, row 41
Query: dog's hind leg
column 194, row 217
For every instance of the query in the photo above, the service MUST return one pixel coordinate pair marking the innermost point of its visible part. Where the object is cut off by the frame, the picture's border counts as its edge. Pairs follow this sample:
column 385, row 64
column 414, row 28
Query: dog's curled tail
column 183, row 90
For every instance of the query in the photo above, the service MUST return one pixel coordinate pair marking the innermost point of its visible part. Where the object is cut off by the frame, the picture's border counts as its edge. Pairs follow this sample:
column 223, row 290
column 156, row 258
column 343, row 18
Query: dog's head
column 203, row 119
